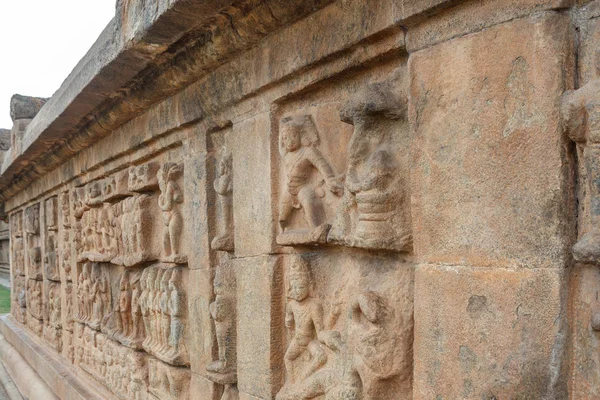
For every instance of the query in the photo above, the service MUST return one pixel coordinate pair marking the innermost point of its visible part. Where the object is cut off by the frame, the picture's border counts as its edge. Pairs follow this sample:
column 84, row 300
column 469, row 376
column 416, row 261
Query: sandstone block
column 25, row 107
column 491, row 178
column 467, row 321
column 260, row 350
column 252, row 179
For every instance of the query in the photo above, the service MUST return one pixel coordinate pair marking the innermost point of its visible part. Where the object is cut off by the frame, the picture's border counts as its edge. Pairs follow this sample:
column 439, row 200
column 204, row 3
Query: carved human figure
column 125, row 304
column 176, row 308
column 169, row 201
column 580, row 110
column 97, row 298
column 149, row 276
column 301, row 157
column 136, row 310
column 374, row 212
column 138, row 376
column 87, row 286
column 165, row 318
column 304, row 320
column 157, row 315
column 223, row 186
column 223, row 313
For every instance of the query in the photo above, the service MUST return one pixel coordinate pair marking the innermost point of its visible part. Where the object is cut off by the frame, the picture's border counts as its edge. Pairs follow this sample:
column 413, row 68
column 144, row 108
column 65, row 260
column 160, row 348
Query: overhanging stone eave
column 121, row 53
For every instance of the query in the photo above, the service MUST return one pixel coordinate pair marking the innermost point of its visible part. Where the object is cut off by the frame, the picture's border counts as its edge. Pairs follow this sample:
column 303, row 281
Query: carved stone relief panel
column 19, row 298
column 311, row 182
column 223, row 188
column 144, row 178
column 349, row 334
column 65, row 245
column 125, row 323
column 115, row 187
column 52, row 315
column 168, row 382
column 18, row 256
column 163, row 305
column 375, row 211
column 35, row 304
column 139, row 224
column 123, row 370
column 16, row 224
column 93, row 295
column 51, row 212
column 32, row 242
column 51, row 270
column 170, row 201
column 223, row 312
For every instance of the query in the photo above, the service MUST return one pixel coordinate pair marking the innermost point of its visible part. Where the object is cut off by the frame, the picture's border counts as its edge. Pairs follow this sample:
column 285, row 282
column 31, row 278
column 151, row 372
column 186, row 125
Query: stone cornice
column 142, row 57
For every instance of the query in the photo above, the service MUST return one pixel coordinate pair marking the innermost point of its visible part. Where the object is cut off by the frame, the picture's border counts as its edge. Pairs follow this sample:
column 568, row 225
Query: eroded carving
column 143, row 178
column 51, row 271
column 52, row 214
column 35, row 305
column 308, row 176
column 65, row 209
column 93, row 294
column 18, row 256
column 170, row 202
column 372, row 363
column 19, row 298
column 168, row 382
column 98, row 234
column 137, row 229
column 223, row 313
column 223, row 186
column 375, row 209
column 123, row 370
column 579, row 111
column 164, row 308
column 52, row 320
column 304, row 320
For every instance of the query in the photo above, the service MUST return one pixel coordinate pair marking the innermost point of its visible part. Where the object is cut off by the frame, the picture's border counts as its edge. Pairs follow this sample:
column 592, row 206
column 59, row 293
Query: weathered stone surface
column 314, row 199
column 4, row 139
column 25, row 107
column 473, row 341
column 492, row 180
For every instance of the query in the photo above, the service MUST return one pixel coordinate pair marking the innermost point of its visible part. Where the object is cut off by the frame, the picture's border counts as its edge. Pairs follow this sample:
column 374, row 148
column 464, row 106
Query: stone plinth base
column 51, row 368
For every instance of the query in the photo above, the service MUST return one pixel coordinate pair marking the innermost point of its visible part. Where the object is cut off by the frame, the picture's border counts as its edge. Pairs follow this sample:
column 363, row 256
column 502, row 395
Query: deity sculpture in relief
column 367, row 365
column 223, row 313
column 223, row 186
column 164, row 311
column 170, row 202
column 374, row 212
column 304, row 320
column 137, row 229
column 302, row 160
column 93, row 193
column 51, row 271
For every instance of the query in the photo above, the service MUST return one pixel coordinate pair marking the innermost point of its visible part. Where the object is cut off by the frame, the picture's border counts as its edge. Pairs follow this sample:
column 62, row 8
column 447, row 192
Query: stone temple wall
column 313, row 199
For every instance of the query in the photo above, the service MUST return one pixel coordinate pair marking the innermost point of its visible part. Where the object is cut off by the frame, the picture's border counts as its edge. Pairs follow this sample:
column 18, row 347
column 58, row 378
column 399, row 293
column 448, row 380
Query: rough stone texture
column 314, row 199
column 474, row 341
column 25, row 107
column 4, row 139
column 491, row 172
